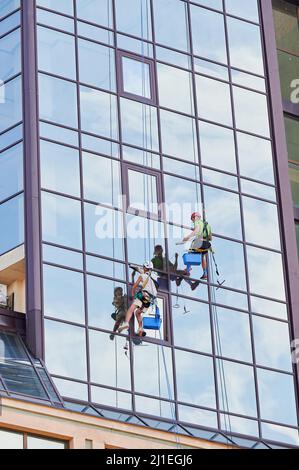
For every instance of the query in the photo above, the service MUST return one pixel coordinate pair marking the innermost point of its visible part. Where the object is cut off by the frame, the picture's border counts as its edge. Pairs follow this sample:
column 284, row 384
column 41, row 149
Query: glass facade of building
column 141, row 122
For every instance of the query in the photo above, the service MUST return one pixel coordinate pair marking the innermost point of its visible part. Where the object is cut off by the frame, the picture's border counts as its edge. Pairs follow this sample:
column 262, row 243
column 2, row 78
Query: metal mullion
column 253, row 365
column 82, row 203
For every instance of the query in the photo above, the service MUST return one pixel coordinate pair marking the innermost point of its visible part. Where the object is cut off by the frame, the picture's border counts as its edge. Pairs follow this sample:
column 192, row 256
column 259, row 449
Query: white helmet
column 148, row 265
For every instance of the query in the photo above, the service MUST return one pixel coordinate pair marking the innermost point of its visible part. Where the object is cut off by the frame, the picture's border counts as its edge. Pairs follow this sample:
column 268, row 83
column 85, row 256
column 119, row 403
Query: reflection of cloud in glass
column 107, row 397
column 179, row 136
column 265, row 273
column 170, row 80
column 273, row 390
column 154, row 407
column 273, row 348
column 217, row 147
column 280, row 434
column 65, row 350
column 191, row 415
column 239, row 425
column 261, row 223
column 71, row 389
column 231, row 299
column 255, row 158
column 214, row 100
column 251, row 111
column 98, row 112
column 230, row 260
column 239, row 388
column 195, row 379
column 172, row 33
column 268, row 308
column 247, row 53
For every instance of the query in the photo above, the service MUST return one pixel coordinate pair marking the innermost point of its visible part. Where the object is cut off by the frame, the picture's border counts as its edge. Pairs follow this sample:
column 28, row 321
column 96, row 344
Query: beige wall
column 82, row 431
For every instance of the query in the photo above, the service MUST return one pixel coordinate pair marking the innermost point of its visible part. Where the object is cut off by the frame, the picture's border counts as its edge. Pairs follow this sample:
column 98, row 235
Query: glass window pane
column 113, row 398
column 12, row 212
column 292, row 132
column 262, row 264
column 11, row 440
column 60, row 168
column 255, row 158
column 246, row 54
column 248, row 10
column 68, row 258
column 55, row 21
column 101, row 180
column 231, row 299
column 236, row 388
column 10, row 103
column 10, row 137
column 9, row 23
column 102, row 72
column 192, row 330
column 173, row 57
column 217, row 4
column 143, row 191
column 234, row 275
column 272, row 344
column 195, row 379
column 139, row 124
column 294, row 178
column 273, row 390
column 70, row 389
column 170, row 80
column 61, row 221
column 110, row 293
column 97, row 145
column 104, row 231
column 239, row 425
column 208, row 34
column 11, row 170
column 172, row 33
column 223, row 212
column 192, row 415
column 10, row 55
column 135, row 20
column 143, row 157
column 280, row 434
column 261, row 223
column 214, row 100
column 40, row 443
column 153, row 380
column 8, row 7
column 258, row 190
column 175, row 190
column 63, row 294
column 56, row 52
column 60, row 134
column 108, row 363
column 63, row 7
column 220, row 179
column 142, row 237
column 136, row 77
column 209, row 68
column 52, row 107
column 269, row 308
column 248, row 80
column 94, row 32
column 105, row 267
column 217, row 147
column 154, row 407
column 98, row 113
column 286, row 25
column 251, row 112
column 233, row 333
column 69, row 359
column 95, row 11
column 179, row 136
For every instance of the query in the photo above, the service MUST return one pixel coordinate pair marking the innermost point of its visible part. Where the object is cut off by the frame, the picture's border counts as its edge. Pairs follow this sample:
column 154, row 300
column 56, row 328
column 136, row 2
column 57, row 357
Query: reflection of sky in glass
column 280, row 434
column 217, row 147
column 135, row 20
column 107, row 397
column 154, row 407
column 183, row 198
column 268, row 308
column 71, row 389
column 192, row 415
column 214, row 100
column 56, row 52
column 208, row 34
column 136, row 76
column 95, row 11
column 261, row 223
column 142, row 236
column 102, row 72
column 139, row 124
column 171, row 33
column 237, row 383
column 179, row 136
column 265, row 273
column 63, row 294
column 223, row 212
column 277, row 398
column 170, row 80
column 69, row 359
column 195, row 379
column 150, row 374
column 248, row 10
column 108, row 363
column 272, row 343
column 251, row 112
column 192, row 330
column 255, row 158
column 232, row 329
column 247, row 53
column 11, row 170
column 230, row 260
column 231, row 299
column 239, row 425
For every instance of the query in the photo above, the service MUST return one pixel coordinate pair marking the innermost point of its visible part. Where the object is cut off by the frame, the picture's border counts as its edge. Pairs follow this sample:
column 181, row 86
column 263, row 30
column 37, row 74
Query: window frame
column 126, row 167
column 120, row 77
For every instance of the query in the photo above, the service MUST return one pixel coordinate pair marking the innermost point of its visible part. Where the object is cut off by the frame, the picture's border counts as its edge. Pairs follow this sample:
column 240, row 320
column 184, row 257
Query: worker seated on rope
column 202, row 236
column 120, row 302
column 144, row 292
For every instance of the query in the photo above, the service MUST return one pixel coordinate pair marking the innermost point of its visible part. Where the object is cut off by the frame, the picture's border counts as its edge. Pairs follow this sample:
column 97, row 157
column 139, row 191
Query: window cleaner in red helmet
column 202, row 236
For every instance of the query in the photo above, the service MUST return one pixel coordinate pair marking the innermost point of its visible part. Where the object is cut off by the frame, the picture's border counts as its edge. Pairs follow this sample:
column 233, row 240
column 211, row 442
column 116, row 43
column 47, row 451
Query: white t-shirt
column 150, row 285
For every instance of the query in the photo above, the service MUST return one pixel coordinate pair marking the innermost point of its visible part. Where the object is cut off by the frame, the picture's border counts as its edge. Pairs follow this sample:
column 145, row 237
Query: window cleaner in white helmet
column 144, row 292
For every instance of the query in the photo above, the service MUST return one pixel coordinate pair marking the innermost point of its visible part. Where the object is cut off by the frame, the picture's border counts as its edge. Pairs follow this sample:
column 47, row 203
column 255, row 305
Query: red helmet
column 195, row 214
